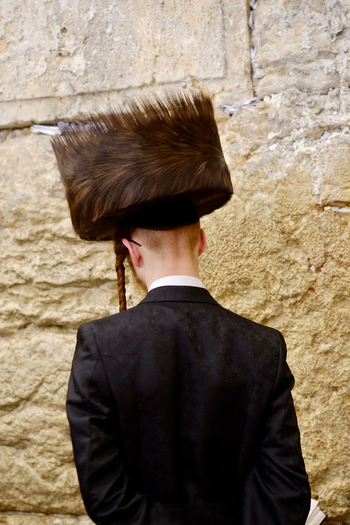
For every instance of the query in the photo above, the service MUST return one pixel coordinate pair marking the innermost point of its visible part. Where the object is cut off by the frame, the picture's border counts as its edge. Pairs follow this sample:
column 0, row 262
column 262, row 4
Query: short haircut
column 183, row 238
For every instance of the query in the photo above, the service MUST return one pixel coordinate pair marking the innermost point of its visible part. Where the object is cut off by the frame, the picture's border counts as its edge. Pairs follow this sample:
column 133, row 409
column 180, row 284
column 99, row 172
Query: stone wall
column 278, row 253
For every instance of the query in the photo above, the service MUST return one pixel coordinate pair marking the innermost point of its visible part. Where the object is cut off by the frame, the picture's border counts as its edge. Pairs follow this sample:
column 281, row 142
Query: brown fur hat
column 147, row 151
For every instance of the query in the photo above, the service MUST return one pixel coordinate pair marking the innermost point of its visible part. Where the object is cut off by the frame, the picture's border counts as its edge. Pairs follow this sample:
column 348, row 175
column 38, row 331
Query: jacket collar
column 190, row 294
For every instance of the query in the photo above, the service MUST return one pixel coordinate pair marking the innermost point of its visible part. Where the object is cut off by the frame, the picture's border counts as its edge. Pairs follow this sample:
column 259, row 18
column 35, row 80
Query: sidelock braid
column 120, row 253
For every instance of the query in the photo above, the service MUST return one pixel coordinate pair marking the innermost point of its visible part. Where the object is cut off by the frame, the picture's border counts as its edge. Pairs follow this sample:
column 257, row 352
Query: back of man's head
column 154, row 254
column 176, row 242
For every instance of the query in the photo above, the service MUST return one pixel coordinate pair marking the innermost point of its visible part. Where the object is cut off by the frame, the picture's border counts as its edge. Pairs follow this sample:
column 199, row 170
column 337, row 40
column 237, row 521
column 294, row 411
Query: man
column 180, row 411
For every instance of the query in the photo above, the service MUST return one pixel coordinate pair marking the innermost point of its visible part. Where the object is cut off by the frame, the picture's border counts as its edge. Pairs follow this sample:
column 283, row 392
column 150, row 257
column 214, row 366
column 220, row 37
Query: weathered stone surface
column 48, row 276
column 301, row 45
column 40, row 519
column 36, row 464
column 77, row 48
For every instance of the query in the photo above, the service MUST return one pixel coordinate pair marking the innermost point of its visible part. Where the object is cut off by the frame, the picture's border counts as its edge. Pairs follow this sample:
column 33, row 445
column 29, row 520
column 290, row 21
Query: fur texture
column 148, row 150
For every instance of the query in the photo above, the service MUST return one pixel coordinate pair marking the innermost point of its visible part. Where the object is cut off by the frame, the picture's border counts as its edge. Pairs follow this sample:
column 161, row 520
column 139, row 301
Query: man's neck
column 158, row 271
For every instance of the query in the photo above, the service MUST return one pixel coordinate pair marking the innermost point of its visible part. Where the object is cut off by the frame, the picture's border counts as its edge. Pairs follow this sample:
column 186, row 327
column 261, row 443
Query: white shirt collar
column 177, row 280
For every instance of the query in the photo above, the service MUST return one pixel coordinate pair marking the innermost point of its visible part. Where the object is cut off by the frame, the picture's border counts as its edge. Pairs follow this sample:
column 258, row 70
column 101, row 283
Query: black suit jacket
column 181, row 413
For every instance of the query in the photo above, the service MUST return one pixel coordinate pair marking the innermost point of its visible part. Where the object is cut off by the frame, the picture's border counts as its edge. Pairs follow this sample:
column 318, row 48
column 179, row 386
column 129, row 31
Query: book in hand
column 316, row 515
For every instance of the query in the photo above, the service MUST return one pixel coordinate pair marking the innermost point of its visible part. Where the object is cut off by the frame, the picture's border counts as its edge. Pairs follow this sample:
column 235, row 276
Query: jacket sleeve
column 276, row 490
column 107, row 491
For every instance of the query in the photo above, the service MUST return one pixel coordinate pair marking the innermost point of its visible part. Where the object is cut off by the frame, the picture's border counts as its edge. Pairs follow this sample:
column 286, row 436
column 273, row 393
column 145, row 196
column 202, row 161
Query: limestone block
column 300, row 45
column 256, row 126
column 36, row 461
column 80, row 47
column 41, row 519
column 48, row 275
column 335, row 187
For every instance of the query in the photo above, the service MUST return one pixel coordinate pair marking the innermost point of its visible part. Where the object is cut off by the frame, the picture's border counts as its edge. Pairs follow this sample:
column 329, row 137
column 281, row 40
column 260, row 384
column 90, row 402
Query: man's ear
column 202, row 243
column 134, row 252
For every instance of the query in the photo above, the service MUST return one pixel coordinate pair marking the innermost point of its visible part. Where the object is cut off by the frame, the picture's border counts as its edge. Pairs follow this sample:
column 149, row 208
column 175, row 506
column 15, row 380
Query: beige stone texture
column 78, row 48
column 301, row 45
column 36, row 467
column 38, row 281
column 9, row 518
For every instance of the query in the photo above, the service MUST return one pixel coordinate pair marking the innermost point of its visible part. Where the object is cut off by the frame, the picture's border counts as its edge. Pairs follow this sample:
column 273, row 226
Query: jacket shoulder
column 261, row 343
column 256, row 333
